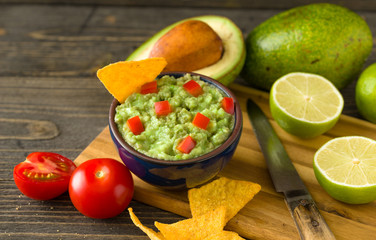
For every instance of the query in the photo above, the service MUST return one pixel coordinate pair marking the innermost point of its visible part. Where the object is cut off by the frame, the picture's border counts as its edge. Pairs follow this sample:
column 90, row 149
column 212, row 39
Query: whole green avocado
column 324, row 39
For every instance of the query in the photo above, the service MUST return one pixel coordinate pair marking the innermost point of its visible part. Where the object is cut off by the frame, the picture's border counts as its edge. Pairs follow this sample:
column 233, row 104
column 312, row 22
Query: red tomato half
column 101, row 188
column 43, row 175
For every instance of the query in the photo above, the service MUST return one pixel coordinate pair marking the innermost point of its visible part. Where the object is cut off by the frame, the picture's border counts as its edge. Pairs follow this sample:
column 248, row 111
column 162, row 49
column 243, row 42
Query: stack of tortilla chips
column 212, row 206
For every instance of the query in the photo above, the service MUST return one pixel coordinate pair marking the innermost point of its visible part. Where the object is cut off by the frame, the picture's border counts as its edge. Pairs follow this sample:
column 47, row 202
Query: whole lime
column 365, row 93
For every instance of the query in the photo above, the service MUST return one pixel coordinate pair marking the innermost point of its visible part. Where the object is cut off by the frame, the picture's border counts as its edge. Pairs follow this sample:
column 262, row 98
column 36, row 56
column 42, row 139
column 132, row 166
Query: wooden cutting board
column 266, row 216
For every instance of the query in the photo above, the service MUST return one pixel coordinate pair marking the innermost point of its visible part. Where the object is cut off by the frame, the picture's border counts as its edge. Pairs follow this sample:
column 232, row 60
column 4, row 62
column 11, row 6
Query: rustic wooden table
column 50, row 99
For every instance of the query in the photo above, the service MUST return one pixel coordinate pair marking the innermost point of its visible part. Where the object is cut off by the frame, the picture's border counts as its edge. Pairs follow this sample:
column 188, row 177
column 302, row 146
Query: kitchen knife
column 307, row 218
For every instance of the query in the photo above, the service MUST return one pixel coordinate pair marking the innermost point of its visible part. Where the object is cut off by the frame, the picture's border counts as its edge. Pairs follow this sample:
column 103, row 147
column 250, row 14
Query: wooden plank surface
column 266, row 216
column 234, row 4
column 50, row 99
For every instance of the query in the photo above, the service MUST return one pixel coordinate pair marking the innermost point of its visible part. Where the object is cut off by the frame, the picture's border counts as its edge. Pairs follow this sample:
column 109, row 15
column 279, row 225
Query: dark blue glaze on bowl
column 179, row 174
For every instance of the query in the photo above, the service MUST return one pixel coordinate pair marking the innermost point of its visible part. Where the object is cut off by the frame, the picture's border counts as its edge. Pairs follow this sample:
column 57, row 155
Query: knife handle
column 309, row 221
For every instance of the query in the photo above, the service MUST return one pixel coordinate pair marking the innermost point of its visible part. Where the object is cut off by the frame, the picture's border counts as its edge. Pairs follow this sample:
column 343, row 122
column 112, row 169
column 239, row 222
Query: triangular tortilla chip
column 123, row 78
column 233, row 194
column 225, row 235
column 198, row 228
column 150, row 232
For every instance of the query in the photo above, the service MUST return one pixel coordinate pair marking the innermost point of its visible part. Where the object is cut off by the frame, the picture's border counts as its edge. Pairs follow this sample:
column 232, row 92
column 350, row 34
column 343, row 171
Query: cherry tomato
column 101, row 188
column 43, row 175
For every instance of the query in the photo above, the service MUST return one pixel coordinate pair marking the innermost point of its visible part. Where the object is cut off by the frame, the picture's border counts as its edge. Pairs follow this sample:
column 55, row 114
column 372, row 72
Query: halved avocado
column 230, row 64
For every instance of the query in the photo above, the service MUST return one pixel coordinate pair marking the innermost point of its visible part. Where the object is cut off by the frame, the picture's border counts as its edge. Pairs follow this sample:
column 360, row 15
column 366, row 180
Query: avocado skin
column 324, row 39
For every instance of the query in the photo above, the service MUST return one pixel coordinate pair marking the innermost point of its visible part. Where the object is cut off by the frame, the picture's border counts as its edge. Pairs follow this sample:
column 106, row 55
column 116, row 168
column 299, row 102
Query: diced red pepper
column 162, row 108
column 135, row 125
column 201, row 121
column 228, row 105
column 193, row 88
column 186, row 145
column 150, row 87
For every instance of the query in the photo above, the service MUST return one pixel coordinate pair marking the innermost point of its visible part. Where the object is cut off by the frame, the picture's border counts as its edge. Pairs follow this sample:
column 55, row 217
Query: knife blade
column 307, row 218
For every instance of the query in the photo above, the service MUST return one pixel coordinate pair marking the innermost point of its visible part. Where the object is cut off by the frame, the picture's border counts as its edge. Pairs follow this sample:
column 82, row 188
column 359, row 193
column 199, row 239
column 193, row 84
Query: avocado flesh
column 232, row 60
column 324, row 39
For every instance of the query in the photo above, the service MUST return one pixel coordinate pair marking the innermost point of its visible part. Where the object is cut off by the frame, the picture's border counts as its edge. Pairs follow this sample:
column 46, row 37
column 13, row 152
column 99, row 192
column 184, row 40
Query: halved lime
column 304, row 104
column 346, row 168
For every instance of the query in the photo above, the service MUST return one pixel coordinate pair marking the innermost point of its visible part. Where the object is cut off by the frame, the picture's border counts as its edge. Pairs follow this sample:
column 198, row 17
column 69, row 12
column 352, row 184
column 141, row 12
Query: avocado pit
column 189, row 46
column 232, row 57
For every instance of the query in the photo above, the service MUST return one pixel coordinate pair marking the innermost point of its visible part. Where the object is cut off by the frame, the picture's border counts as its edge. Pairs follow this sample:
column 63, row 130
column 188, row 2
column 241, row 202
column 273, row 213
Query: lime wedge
column 346, row 168
column 304, row 104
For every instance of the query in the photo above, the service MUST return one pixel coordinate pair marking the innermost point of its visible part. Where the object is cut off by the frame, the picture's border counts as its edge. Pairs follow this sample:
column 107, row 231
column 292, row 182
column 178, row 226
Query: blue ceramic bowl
column 180, row 174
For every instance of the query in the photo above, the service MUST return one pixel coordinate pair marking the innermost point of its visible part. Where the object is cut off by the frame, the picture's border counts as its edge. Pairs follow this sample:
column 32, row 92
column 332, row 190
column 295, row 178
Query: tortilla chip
column 233, row 194
column 198, row 228
column 123, row 78
column 225, row 235
column 150, row 232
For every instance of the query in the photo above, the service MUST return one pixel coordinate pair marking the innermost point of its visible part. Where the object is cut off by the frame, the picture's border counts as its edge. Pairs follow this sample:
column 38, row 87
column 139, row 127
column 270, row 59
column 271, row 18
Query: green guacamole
column 163, row 133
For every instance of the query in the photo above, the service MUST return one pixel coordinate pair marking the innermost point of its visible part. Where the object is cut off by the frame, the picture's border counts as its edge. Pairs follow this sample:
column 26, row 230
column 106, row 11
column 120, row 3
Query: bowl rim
column 230, row 140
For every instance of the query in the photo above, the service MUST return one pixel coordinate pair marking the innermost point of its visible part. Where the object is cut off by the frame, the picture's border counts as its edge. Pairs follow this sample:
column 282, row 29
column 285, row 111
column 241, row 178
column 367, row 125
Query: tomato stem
column 99, row 174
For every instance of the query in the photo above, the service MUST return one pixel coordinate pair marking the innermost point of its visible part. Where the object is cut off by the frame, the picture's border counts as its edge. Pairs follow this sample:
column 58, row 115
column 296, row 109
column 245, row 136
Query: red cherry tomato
column 135, row 125
column 43, row 175
column 101, row 188
column 186, row 145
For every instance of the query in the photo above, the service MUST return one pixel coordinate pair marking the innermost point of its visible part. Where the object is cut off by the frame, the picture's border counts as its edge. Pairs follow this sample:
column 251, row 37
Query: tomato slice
column 101, row 188
column 162, row 108
column 43, row 175
column 228, row 105
column 201, row 121
column 135, row 125
column 193, row 88
column 186, row 145
column 150, row 87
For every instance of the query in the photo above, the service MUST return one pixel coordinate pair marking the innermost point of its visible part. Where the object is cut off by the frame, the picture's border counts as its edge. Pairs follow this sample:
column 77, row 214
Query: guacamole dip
column 163, row 134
